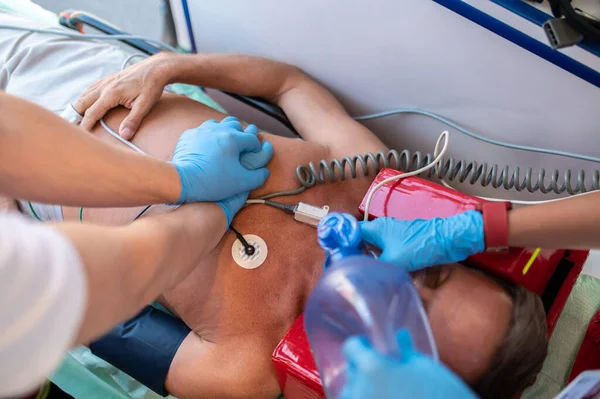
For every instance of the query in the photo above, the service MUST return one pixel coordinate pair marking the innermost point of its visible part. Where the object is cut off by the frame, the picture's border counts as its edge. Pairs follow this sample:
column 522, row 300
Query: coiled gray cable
column 449, row 170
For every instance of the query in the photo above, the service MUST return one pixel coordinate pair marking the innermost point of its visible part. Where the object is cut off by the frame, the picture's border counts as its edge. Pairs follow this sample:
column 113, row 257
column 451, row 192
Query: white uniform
column 51, row 70
column 42, row 301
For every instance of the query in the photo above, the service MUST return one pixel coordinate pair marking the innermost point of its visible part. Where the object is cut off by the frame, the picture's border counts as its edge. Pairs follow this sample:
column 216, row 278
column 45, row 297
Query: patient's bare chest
column 264, row 301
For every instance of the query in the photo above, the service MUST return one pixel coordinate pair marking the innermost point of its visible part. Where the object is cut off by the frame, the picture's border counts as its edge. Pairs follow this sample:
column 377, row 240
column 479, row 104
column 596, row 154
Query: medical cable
column 284, row 193
column 128, row 144
column 255, row 201
column 132, row 57
column 139, row 215
column 52, row 31
column 248, row 248
column 287, row 208
column 449, row 169
column 121, row 139
column 474, row 135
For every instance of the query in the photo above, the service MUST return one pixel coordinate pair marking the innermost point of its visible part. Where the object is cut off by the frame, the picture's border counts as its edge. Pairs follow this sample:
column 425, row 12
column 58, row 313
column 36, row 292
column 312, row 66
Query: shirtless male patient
column 490, row 333
column 238, row 316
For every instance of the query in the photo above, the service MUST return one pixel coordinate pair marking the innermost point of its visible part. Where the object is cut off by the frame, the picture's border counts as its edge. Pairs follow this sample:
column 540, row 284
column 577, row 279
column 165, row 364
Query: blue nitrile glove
column 418, row 244
column 209, row 161
column 250, row 160
column 258, row 159
column 221, row 162
column 371, row 375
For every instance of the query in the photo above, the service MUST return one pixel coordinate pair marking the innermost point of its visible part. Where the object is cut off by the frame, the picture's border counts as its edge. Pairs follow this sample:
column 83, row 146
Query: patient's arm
column 315, row 113
column 313, row 110
column 202, row 369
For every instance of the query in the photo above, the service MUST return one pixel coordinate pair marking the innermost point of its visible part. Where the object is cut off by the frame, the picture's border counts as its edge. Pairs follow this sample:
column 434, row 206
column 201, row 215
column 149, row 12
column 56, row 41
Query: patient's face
column 469, row 316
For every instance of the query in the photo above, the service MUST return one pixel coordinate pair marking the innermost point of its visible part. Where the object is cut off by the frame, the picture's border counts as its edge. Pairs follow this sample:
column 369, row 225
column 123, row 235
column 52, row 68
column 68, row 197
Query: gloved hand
column 258, row 159
column 218, row 161
column 418, row 244
column 232, row 205
column 371, row 375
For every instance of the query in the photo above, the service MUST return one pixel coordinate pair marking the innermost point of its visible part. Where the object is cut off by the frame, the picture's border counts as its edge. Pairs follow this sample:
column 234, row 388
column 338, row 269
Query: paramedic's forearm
column 128, row 267
column 46, row 159
column 568, row 224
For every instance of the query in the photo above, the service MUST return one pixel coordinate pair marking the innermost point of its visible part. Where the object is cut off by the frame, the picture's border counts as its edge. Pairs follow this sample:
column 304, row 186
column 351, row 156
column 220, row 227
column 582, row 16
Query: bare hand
column 138, row 88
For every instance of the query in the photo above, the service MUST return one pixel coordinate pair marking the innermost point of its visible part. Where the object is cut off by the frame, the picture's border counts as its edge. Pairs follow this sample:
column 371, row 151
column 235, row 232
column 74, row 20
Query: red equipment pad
column 588, row 357
column 295, row 366
column 416, row 198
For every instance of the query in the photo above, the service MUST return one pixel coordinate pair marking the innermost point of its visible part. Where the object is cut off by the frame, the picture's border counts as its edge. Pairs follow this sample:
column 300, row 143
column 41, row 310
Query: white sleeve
column 42, row 301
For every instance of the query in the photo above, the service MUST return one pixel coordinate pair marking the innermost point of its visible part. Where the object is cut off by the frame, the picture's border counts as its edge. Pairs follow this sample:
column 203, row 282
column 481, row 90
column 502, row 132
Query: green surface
column 582, row 305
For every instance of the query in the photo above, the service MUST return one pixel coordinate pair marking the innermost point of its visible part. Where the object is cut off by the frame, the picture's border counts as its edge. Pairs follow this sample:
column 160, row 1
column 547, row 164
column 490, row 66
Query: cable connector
column 560, row 34
column 287, row 208
column 310, row 214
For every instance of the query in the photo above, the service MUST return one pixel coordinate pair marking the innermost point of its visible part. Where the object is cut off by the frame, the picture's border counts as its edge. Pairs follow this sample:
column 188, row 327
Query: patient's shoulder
column 288, row 154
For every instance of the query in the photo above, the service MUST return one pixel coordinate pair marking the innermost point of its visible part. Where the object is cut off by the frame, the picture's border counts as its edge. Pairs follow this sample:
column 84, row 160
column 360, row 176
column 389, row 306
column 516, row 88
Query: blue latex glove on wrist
column 371, row 375
column 219, row 161
column 232, row 205
column 418, row 244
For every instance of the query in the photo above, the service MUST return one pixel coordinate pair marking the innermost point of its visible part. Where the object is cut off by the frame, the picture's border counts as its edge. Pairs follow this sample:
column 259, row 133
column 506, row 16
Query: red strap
column 495, row 225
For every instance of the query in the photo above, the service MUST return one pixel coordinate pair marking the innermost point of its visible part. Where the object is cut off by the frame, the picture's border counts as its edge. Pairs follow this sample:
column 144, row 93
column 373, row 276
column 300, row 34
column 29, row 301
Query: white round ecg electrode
column 250, row 262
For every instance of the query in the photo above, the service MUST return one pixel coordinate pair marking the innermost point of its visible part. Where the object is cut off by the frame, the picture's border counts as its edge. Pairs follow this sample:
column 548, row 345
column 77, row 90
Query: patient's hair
column 521, row 355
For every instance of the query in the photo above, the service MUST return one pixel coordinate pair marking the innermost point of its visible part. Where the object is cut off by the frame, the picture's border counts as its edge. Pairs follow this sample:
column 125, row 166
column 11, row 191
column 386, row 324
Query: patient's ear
column 428, row 280
column 426, row 293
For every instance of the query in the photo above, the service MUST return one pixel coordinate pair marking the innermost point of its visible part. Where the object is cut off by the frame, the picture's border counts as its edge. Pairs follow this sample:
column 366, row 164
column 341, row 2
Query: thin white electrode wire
column 121, row 139
column 445, row 136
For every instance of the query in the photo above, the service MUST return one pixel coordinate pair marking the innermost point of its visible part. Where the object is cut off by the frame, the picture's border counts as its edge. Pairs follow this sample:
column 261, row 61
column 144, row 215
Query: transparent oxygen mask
column 359, row 296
